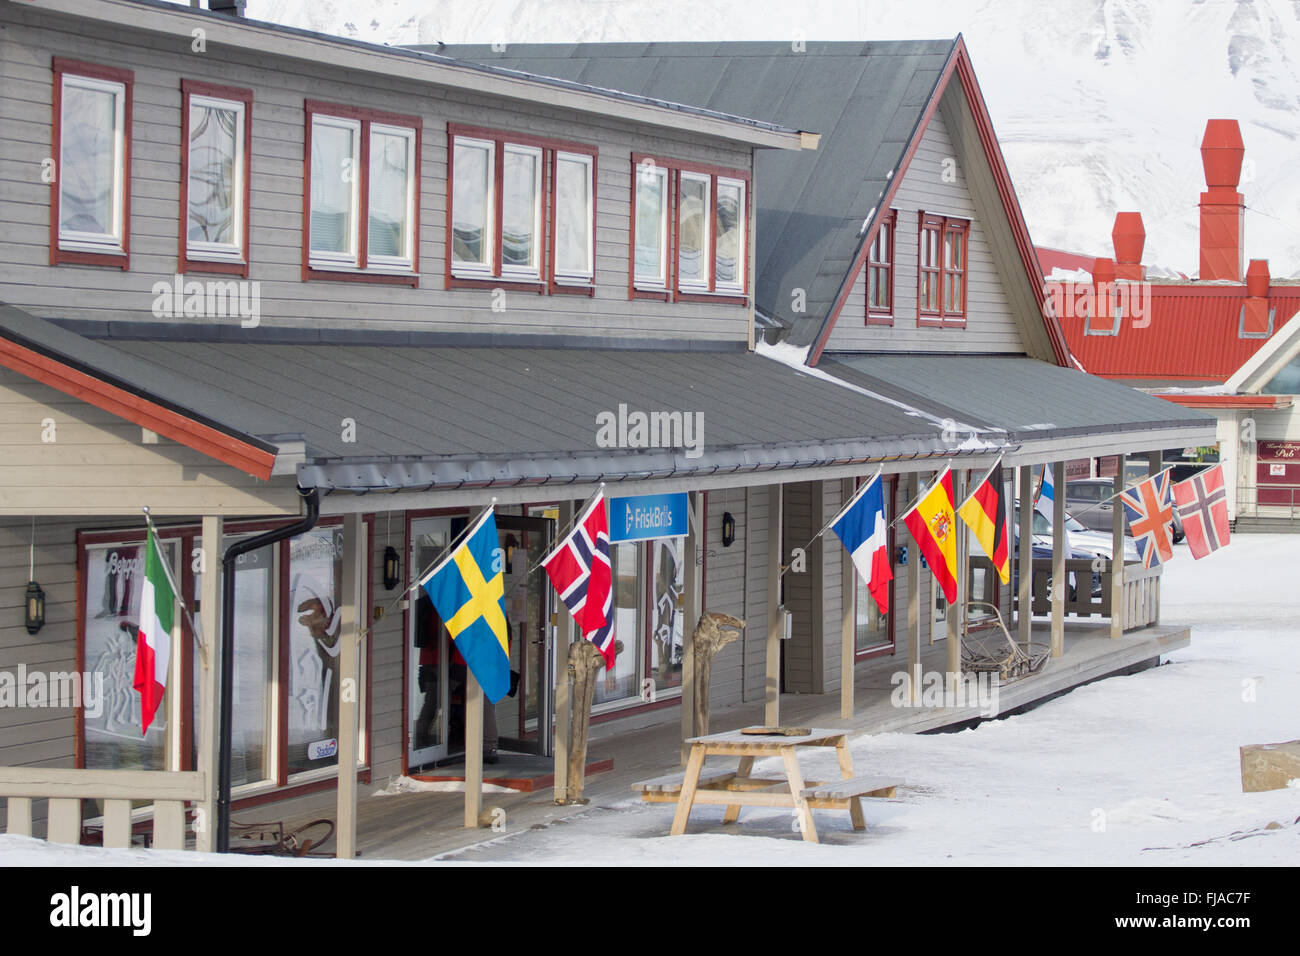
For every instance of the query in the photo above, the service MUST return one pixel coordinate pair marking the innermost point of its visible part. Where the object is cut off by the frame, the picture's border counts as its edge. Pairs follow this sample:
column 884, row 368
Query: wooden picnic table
column 738, row 788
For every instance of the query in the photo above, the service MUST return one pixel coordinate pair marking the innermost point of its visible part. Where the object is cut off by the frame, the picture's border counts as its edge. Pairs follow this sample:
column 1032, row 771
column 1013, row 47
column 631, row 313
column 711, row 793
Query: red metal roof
column 1192, row 334
column 1049, row 259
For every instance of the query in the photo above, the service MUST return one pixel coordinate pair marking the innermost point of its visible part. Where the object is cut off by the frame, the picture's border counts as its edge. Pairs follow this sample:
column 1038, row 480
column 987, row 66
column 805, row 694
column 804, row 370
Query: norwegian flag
column 1202, row 502
column 579, row 569
column 1151, row 518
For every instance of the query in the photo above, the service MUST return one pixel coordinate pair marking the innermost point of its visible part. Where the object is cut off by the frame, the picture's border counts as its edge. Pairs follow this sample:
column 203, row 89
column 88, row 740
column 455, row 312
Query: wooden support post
column 913, row 604
column 353, row 616
column 19, row 816
column 1060, row 580
column 1117, row 554
column 563, row 636
column 772, row 658
column 473, row 749
column 957, row 611
column 205, row 816
column 848, row 612
column 1025, row 561
column 690, row 614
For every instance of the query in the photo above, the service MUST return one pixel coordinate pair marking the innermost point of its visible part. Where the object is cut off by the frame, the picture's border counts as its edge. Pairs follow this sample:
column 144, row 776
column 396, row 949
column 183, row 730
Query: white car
column 1081, row 539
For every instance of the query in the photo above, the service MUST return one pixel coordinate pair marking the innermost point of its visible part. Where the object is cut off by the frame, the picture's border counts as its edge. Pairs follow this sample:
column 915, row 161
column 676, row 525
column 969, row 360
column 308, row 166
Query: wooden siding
column 725, row 571
column 760, row 537
column 990, row 323
column 279, row 89
column 99, row 464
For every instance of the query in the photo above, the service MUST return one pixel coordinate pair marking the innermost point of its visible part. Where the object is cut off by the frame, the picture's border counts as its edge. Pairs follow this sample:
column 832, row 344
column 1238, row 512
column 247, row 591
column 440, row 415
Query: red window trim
column 61, row 66
column 673, row 291
column 874, row 316
column 312, row 108
column 237, row 94
column 549, row 146
column 945, row 225
column 280, row 787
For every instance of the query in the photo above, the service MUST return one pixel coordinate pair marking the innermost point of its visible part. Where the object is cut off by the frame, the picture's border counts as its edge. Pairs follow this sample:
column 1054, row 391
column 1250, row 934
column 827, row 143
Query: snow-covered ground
column 1140, row 770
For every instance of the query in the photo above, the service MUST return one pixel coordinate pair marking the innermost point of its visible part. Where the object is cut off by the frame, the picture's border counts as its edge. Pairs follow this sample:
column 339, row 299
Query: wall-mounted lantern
column 728, row 529
column 392, row 568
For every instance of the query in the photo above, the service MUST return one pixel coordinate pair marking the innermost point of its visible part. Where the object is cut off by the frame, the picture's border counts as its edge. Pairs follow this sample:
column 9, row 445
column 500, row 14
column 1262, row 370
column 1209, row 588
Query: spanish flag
column 985, row 512
column 934, row 528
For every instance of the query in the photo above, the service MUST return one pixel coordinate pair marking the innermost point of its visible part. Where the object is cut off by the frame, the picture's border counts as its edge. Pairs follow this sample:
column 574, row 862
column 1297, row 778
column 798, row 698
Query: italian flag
column 153, row 648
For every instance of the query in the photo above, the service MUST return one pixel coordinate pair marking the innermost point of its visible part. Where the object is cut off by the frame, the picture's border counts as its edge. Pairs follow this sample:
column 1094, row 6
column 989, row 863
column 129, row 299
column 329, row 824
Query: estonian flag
column 467, row 588
column 861, row 526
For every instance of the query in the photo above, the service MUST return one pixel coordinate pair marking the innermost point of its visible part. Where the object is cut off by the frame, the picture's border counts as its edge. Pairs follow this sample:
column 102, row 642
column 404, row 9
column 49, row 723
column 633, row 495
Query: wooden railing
column 1141, row 594
column 65, row 789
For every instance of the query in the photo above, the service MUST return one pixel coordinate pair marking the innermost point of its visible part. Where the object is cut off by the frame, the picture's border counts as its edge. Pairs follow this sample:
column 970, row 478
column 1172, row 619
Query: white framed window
column 392, row 197
column 473, row 221
column 521, row 212
column 693, row 231
column 730, row 252
column 335, row 192
column 215, row 179
column 574, row 218
column 91, row 170
column 370, row 234
column 651, row 240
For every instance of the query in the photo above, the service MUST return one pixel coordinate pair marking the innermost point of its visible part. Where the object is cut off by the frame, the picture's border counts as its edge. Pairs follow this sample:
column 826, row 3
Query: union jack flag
column 579, row 568
column 1203, row 505
column 1151, row 518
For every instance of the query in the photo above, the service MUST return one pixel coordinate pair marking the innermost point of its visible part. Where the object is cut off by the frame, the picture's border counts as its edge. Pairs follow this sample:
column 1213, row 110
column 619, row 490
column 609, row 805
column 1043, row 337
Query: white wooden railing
column 1141, row 593
column 65, row 789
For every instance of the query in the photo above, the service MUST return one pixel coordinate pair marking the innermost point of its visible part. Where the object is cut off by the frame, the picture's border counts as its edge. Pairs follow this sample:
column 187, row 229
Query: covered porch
column 422, row 825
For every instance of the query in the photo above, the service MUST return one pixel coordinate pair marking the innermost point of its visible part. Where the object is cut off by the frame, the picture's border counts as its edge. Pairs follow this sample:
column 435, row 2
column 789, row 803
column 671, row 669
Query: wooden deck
column 415, row 826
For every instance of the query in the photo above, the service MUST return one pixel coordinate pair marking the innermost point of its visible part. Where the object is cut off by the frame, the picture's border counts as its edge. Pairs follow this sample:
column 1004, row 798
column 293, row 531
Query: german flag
column 986, row 514
column 934, row 528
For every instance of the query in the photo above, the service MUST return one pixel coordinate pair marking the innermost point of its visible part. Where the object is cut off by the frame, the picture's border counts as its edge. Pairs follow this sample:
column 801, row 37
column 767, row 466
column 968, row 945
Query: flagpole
column 852, row 501
column 180, row 598
column 980, row 484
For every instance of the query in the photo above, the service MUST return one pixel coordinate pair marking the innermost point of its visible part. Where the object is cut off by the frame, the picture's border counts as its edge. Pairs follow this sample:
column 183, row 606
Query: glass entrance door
column 428, row 710
column 524, row 719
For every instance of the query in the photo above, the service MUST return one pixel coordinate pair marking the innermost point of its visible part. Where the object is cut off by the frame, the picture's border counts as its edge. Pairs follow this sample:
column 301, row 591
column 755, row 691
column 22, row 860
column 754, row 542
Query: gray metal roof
column 402, row 416
column 210, row 404
column 865, row 99
column 433, row 54
column 1031, row 400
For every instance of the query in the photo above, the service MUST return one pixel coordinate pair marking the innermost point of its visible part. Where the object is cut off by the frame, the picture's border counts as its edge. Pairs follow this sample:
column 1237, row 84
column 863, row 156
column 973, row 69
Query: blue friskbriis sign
column 647, row 516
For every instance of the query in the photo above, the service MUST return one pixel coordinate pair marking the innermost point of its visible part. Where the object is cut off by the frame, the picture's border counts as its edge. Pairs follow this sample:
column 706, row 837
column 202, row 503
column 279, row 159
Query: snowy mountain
column 1099, row 104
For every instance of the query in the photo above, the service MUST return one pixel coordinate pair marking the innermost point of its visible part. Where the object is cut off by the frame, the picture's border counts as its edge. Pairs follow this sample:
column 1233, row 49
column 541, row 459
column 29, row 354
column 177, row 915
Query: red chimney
column 1223, row 209
column 1128, row 237
column 1254, row 311
column 1100, row 322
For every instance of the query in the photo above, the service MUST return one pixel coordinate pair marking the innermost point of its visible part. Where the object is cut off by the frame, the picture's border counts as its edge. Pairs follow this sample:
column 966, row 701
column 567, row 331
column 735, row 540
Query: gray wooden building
column 259, row 280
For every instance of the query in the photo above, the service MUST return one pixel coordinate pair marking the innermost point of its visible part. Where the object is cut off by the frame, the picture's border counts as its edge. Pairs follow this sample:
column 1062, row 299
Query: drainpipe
column 308, row 521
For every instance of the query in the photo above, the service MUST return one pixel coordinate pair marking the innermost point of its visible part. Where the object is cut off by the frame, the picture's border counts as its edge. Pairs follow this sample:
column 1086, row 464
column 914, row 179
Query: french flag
column 861, row 526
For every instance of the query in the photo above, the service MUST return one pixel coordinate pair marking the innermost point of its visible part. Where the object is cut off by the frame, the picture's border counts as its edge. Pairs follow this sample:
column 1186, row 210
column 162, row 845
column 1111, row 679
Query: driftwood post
column 714, row 632
column 584, row 662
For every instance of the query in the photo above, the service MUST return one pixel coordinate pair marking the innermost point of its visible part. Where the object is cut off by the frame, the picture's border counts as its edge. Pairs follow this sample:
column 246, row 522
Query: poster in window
column 111, row 598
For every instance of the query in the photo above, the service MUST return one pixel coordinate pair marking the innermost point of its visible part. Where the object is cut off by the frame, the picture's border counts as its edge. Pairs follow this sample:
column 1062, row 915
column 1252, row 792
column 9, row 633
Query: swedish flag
column 468, row 590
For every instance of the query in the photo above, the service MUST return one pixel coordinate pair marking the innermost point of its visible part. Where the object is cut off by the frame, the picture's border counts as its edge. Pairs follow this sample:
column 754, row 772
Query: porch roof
column 1039, row 407
column 376, row 411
